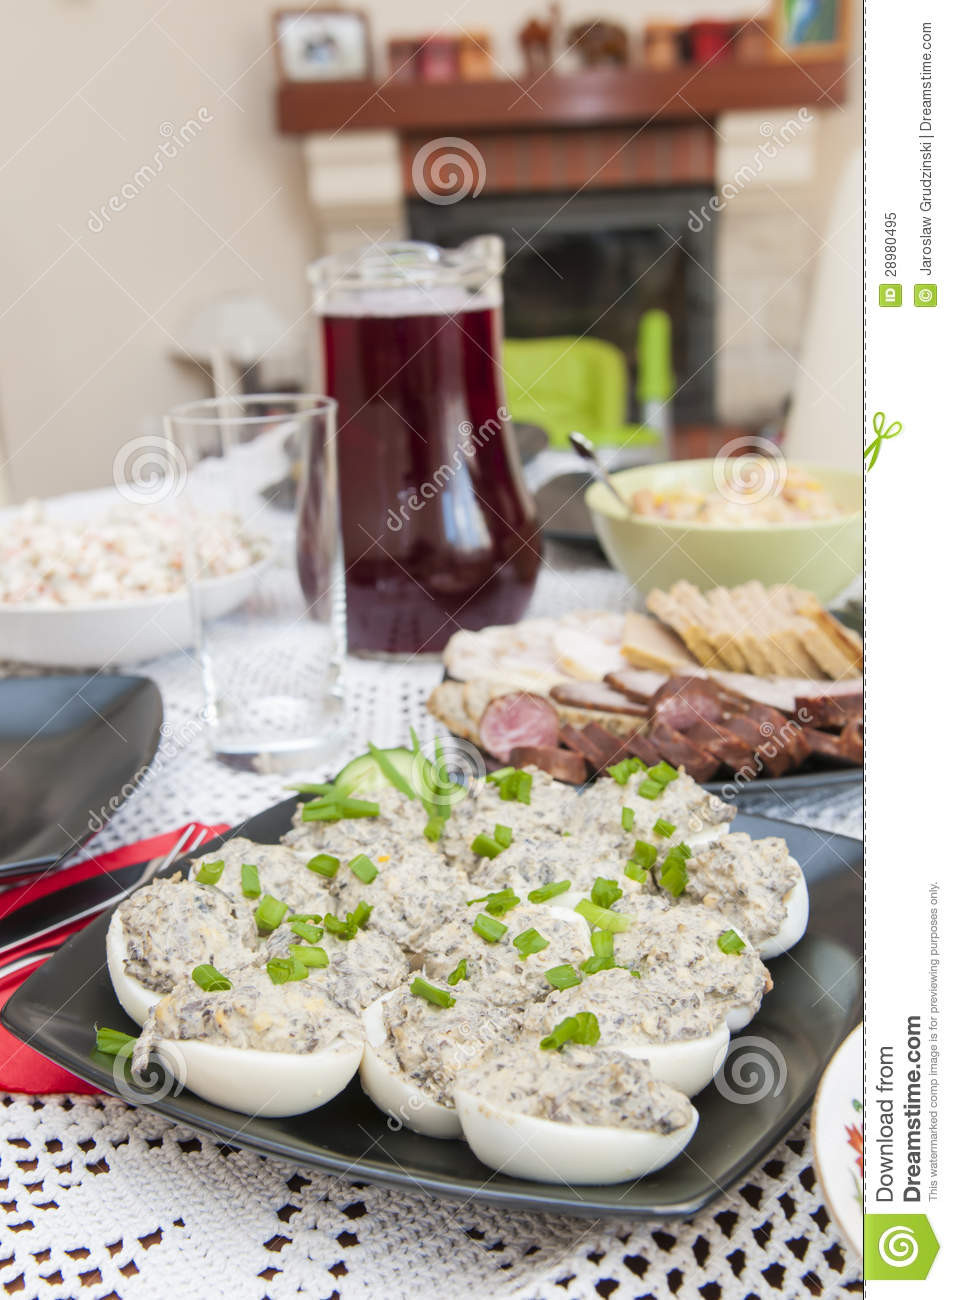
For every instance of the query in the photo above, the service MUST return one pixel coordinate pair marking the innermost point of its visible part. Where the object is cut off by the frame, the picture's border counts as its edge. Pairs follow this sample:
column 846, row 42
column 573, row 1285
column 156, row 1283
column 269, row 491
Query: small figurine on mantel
column 538, row 40
column 599, row 43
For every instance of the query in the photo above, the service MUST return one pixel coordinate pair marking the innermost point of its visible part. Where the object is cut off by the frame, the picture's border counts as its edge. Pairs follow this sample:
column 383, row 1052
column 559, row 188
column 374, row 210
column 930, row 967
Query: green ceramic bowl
column 822, row 556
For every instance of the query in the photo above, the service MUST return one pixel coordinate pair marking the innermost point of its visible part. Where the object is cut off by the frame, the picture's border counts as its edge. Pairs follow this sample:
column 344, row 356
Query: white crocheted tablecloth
column 100, row 1199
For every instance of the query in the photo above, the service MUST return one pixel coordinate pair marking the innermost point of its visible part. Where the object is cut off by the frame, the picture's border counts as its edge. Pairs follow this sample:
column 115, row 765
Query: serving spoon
column 584, row 448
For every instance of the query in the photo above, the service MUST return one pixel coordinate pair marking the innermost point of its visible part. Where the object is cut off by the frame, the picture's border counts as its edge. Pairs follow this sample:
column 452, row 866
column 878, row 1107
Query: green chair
column 564, row 384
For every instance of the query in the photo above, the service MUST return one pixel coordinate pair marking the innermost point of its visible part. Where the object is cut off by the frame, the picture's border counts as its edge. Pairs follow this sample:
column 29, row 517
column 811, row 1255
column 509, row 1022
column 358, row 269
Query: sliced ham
column 591, row 750
column 683, row 701
column 639, row 746
column 775, row 760
column 829, row 712
column 780, row 732
column 847, row 749
column 613, row 747
column 562, row 764
column 682, row 752
column 722, row 744
column 595, row 695
column 517, row 719
column 637, row 683
column 852, row 741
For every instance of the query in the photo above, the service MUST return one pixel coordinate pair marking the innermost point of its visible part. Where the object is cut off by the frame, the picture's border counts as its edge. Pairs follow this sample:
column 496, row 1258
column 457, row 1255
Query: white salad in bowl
column 91, row 580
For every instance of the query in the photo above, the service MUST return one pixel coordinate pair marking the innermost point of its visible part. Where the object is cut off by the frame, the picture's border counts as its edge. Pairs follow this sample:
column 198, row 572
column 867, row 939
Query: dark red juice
column 439, row 531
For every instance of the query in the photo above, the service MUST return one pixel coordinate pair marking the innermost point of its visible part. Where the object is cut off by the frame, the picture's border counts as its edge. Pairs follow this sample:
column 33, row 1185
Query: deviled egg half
column 680, row 1036
column 418, row 1037
column 694, row 950
column 576, row 1114
column 160, row 933
column 757, row 885
column 256, row 1047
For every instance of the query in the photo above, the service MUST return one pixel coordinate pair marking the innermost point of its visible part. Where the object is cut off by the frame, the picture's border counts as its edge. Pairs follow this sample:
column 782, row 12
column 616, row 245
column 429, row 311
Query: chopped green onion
column 497, row 903
column 361, row 915
column 580, row 1028
column 500, row 774
column 528, row 942
column 340, row 929
column 309, row 957
column 270, row 913
column 314, row 917
column 684, row 850
column 603, row 953
column 390, row 771
column 251, row 885
column 363, row 868
column 639, row 874
column 731, row 942
column 434, row 827
column 515, row 787
column 414, row 742
column 649, row 789
column 112, row 1041
column 563, row 977
column 503, row 835
column 305, row 930
column 210, row 873
column 210, row 980
column 459, row 972
column 311, row 787
column 620, row 772
column 331, row 809
column 644, row 854
column 628, row 819
column 286, row 970
column 664, row 828
column 489, row 929
column 546, row 892
column 674, row 875
column 325, row 865
column 636, row 973
column 605, row 892
column 602, row 919
column 663, row 773
column 439, row 997
column 485, row 847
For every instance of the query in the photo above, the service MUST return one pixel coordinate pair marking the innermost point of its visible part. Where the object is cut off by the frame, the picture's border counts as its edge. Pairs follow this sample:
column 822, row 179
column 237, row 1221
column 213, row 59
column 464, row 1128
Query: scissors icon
column 883, row 432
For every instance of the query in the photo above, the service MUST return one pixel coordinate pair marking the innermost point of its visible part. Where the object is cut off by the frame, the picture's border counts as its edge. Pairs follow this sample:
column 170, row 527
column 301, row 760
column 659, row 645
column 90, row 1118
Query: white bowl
column 109, row 633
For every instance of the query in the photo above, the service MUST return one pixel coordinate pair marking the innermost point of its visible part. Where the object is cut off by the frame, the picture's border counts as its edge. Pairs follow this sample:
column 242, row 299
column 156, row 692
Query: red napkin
column 21, row 1068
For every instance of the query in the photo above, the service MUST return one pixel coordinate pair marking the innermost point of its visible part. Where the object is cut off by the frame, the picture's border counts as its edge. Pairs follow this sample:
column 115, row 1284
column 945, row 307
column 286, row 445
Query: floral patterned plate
column 837, row 1132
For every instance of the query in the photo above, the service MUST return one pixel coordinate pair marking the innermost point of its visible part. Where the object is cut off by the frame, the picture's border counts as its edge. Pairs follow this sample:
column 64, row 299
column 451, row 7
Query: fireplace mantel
column 599, row 97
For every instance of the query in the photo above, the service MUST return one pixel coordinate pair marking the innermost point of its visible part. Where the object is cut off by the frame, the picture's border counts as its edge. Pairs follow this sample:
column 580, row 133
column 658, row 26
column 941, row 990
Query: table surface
column 101, row 1199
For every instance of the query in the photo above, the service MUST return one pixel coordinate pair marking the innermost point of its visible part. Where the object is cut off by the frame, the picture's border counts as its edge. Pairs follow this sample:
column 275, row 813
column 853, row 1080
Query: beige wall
column 90, row 317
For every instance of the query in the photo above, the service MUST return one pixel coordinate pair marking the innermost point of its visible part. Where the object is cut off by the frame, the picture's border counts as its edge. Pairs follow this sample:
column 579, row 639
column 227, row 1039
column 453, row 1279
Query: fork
column 88, row 897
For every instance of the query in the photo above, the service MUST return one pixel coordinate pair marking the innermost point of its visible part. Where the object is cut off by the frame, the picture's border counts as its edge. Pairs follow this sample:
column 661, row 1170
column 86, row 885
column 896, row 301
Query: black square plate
column 71, row 749
column 773, row 1066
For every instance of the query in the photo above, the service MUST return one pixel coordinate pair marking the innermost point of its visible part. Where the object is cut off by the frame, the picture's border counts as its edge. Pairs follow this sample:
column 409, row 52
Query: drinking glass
column 268, row 655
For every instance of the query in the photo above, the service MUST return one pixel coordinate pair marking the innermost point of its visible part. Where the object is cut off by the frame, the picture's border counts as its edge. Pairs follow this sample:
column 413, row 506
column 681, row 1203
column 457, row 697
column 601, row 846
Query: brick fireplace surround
column 591, row 158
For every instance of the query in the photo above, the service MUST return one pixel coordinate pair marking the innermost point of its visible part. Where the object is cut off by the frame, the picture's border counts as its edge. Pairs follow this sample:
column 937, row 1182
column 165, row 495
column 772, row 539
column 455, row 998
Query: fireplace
column 592, row 263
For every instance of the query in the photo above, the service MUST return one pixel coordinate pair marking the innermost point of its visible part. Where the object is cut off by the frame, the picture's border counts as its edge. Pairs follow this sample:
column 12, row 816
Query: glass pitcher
column 439, row 530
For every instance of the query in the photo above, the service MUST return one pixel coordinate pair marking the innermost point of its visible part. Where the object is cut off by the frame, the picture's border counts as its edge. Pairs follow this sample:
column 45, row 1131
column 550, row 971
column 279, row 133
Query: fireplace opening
column 591, row 264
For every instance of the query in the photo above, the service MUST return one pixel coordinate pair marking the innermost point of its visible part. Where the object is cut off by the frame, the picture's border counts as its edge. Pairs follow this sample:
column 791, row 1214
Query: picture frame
column 330, row 43
column 811, row 29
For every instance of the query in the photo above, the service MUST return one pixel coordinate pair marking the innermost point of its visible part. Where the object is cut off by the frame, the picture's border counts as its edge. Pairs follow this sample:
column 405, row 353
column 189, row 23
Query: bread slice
column 648, row 643
column 447, row 706
column 671, row 609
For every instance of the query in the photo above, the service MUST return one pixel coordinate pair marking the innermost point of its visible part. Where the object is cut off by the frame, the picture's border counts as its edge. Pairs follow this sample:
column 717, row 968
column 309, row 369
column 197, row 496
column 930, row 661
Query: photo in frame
column 811, row 29
column 327, row 44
